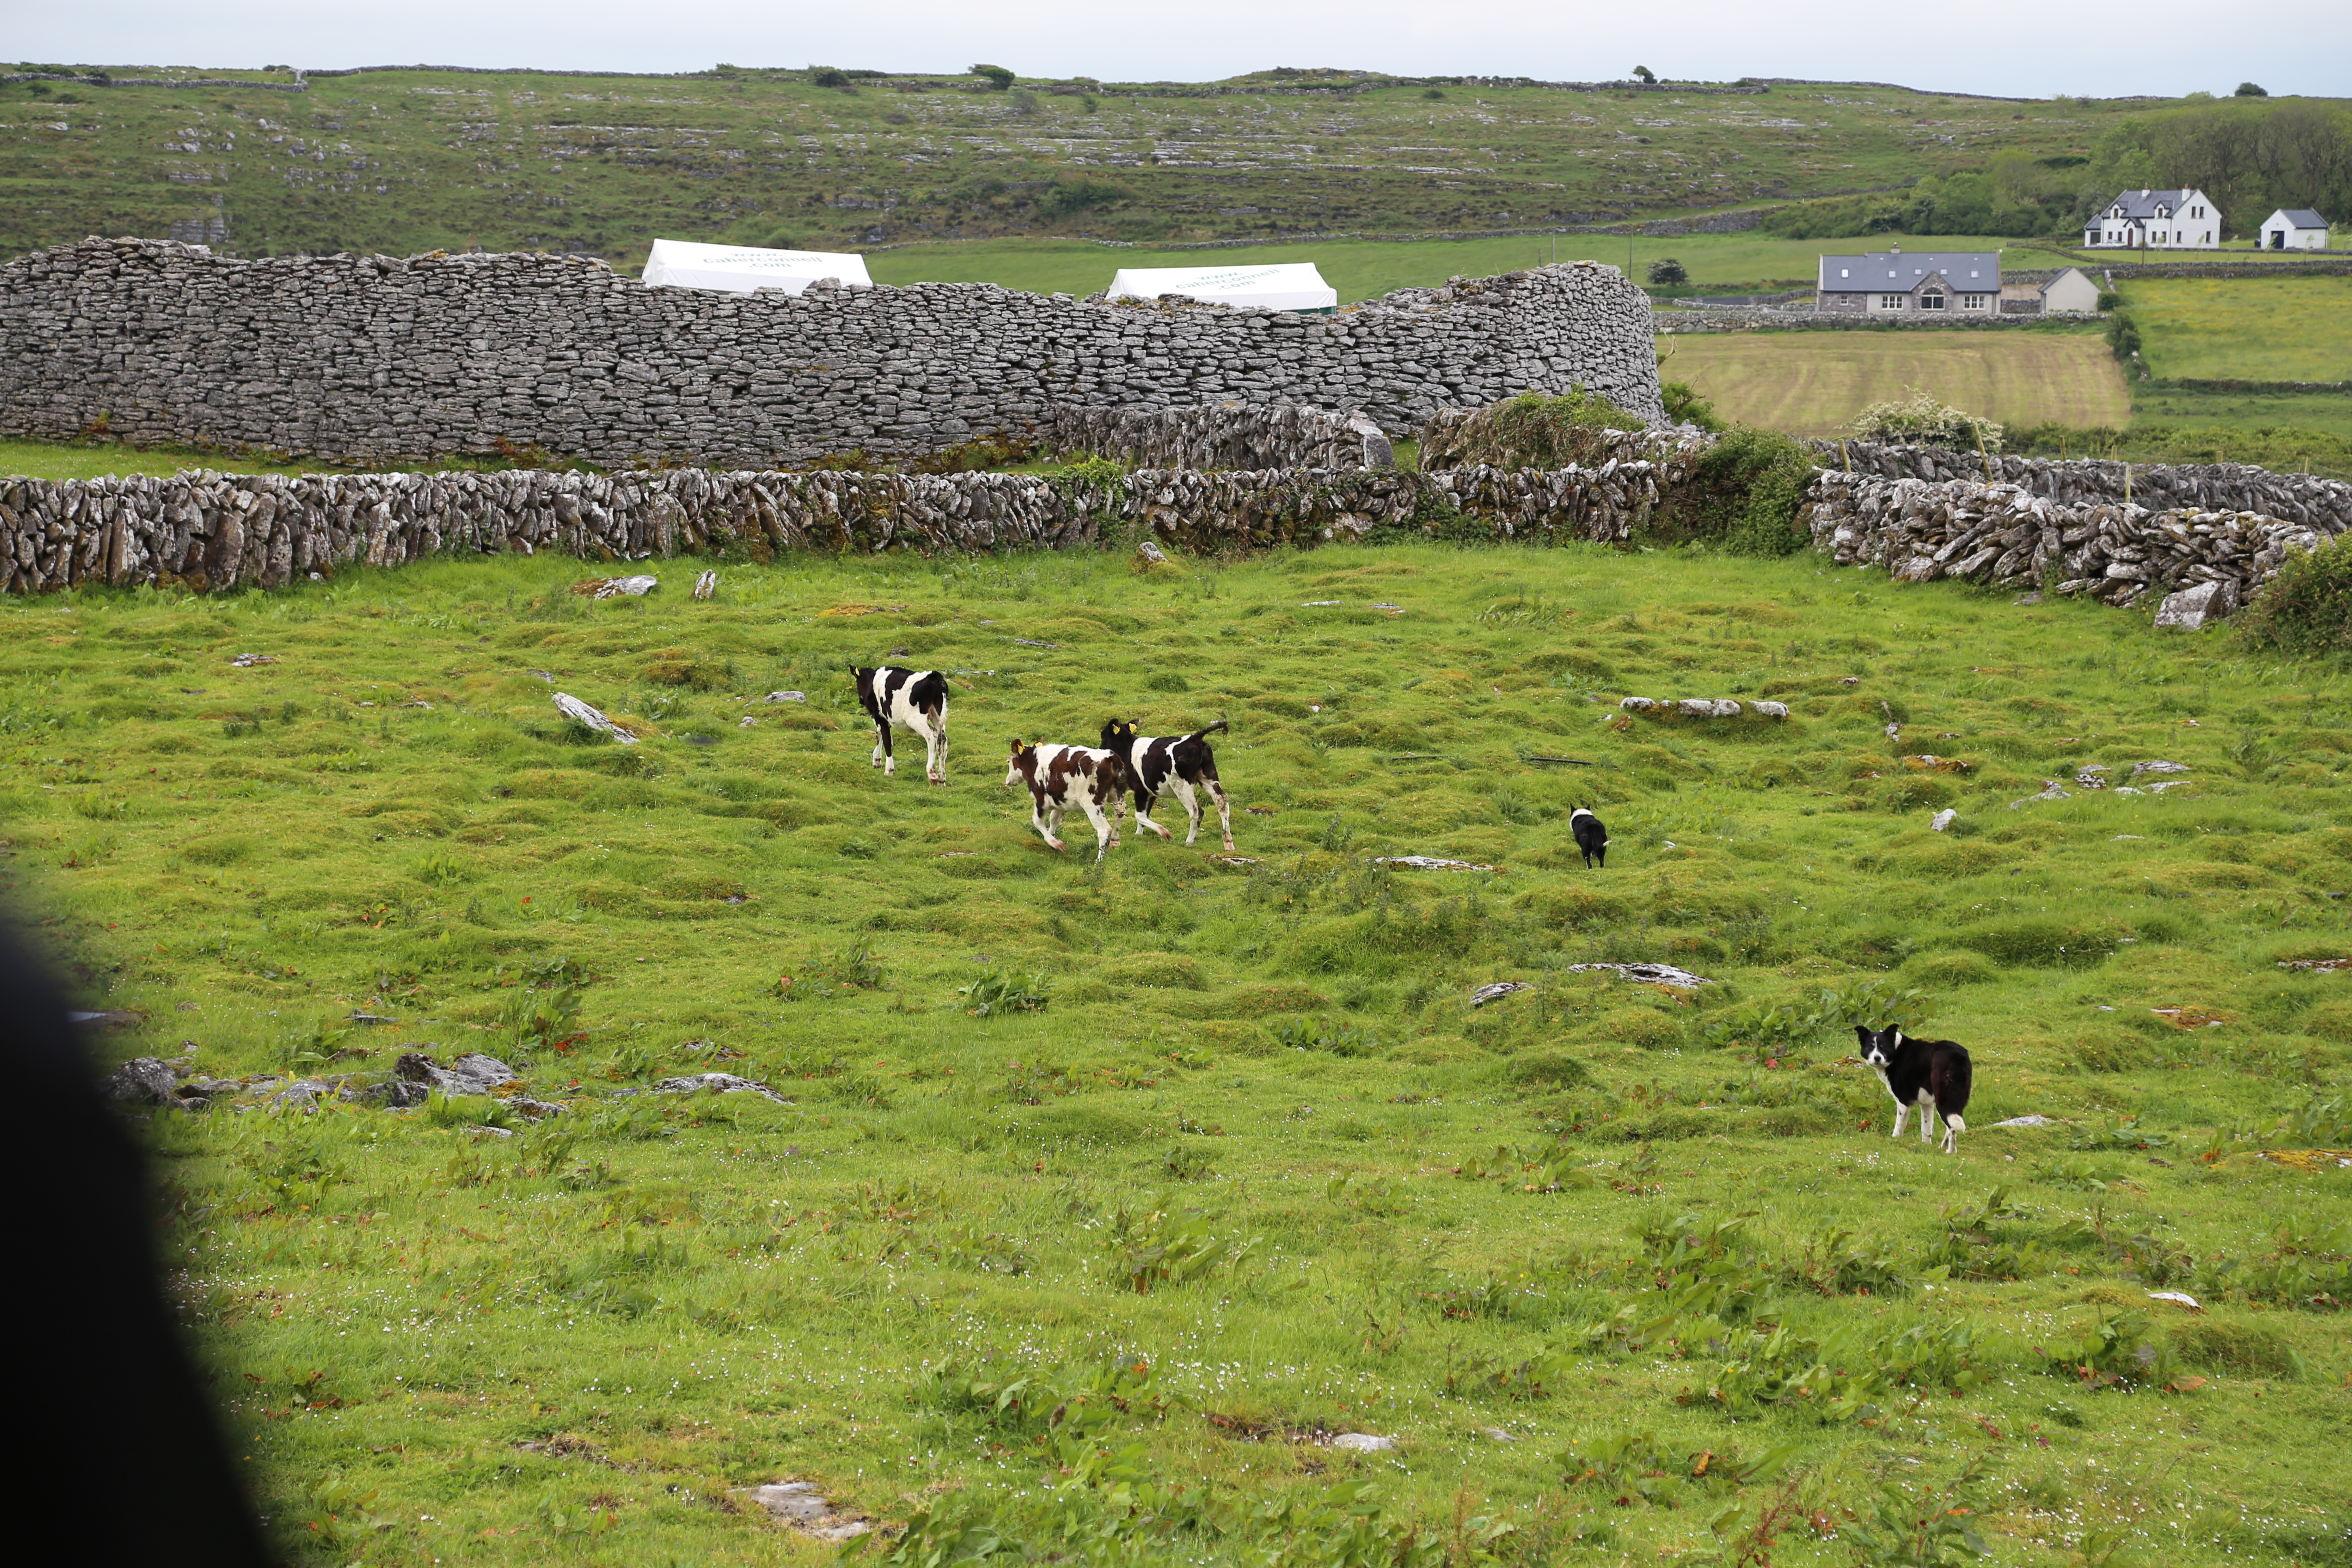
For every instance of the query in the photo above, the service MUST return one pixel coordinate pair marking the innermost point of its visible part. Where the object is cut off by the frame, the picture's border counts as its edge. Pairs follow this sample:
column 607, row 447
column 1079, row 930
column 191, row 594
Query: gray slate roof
column 2142, row 205
column 1968, row 271
column 2304, row 218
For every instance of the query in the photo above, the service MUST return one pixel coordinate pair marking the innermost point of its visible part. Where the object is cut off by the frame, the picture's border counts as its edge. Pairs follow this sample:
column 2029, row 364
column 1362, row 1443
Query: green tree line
column 2252, row 155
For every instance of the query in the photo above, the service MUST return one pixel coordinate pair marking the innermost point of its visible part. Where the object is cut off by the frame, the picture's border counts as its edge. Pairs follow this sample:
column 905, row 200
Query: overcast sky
column 2019, row 47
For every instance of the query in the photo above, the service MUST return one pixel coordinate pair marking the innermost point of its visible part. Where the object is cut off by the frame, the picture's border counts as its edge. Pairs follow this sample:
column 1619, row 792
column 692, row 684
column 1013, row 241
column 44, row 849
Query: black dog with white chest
column 1590, row 836
column 1933, row 1075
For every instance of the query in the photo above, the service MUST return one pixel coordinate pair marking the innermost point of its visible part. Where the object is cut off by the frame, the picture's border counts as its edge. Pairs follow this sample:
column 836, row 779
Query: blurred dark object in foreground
column 123, row 1454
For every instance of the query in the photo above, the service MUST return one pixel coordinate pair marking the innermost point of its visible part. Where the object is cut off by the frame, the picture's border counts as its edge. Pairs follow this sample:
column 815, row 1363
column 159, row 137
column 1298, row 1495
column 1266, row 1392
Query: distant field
column 2293, row 328
column 1813, row 383
column 1365, row 270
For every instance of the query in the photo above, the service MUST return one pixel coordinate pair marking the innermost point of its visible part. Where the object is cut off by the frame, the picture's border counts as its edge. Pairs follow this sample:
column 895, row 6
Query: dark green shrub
column 825, row 76
column 2307, row 607
column 1685, row 406
column 999, row 80
column 1065, row 198
column 2109, row 298
column 1743, row 493
column 2123, row 335
column 1666, row 270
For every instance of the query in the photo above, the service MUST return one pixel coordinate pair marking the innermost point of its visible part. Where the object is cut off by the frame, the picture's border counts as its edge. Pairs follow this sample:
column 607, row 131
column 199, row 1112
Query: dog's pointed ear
column 1862, row 1032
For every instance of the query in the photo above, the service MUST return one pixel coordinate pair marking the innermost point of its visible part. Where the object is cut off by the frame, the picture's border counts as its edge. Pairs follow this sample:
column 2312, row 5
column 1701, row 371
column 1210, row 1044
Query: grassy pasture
column 571, row 1344
column 2287, row 329
column 1365, row 268
column 1814, row 383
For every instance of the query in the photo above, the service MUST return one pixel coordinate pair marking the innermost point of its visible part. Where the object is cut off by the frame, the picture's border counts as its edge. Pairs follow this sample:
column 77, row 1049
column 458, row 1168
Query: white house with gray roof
column 2160, row 220
column 1961, row 283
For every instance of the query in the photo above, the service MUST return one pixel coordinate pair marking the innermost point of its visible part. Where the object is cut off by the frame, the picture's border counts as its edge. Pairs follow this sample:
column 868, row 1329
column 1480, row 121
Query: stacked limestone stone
column 375, row 360
column 1227, row 435
column 208, row 532
column 2090, row 481
column 2001, row 534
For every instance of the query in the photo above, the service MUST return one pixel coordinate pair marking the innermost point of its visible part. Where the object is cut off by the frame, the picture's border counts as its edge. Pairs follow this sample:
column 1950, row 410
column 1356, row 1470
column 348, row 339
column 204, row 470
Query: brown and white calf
column 911, row 699
column 1062, row 777
column 1157, row 764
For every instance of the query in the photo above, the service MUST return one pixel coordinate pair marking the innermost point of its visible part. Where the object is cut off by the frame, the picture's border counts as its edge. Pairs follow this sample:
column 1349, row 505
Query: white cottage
column 2300, row 229
column 2160, row 220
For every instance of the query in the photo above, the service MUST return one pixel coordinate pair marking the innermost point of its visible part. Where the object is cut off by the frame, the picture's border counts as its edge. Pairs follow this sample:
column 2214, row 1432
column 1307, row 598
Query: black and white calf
column 1157, row 764
column 1062, row 777
column 913, row 699
column 1592, row 837
column 1933, row 1075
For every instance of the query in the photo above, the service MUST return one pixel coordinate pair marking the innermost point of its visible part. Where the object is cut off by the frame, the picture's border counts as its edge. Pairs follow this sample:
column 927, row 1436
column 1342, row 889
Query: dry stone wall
column 209, row 532
column 377, row 359
column 1235, row 436
column 2002, row 534
column 2304, row 498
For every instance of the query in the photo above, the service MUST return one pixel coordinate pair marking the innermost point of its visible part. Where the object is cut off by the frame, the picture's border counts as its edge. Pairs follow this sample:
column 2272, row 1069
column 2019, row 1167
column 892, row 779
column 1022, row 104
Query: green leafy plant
column 1001, row 992
column 1156, row 1243
column 1922, row 1526
column 2306, row 609
column 540, row 1020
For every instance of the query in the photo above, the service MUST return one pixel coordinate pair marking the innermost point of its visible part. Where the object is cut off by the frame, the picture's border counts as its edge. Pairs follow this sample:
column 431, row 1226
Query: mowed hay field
column 2291, row 328
column 1627, row 1271
column 1814, row 383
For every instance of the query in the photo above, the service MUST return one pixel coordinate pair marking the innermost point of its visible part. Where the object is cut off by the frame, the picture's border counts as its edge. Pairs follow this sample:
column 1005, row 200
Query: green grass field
column 1814, row 383
column 2290, row 329
column 1097, row 1275
column 1365, row 270
column 404, row 162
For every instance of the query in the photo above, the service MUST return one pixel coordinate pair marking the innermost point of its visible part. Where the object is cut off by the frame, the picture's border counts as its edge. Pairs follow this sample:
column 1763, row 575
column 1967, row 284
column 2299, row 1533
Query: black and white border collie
column 1183, row 764
column 912, row 700
column 1590, row 836
column 1062, row 777
column 1933, row 1075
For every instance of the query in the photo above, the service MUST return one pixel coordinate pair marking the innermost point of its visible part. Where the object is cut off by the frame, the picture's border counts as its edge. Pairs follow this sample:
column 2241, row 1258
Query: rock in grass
column 706, row 585
column 1768, row 709
column 471, row 1073
column 722, row 1082
column 1943, row 819
column 579, row 713
column 1647, row 974
column 799, row 1505
column 142, row 1081
column 2192, row 607
column 636, row 587
column 1362, row 1443
column 1495, row 991
column 2157, row 765
column 2049, row 791
column 1709, row 707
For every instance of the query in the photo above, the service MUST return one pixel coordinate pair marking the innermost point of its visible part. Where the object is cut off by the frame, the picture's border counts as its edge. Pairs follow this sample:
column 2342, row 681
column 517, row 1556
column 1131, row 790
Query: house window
column 1890, row 301
column 1843, row 273
column 1931, row 300
column 1972, row 301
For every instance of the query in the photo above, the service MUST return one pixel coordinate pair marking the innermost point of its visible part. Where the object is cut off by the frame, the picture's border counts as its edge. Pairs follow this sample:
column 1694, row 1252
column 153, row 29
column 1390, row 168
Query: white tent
column 740, row 268
column 1291, row 286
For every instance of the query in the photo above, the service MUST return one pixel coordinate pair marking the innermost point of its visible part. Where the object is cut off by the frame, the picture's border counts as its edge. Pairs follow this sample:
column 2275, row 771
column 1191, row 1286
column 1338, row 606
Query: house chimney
column 1895, row 249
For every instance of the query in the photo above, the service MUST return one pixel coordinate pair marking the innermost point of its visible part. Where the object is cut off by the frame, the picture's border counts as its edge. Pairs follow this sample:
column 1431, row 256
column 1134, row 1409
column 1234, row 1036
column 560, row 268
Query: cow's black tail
column 1206, row 730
